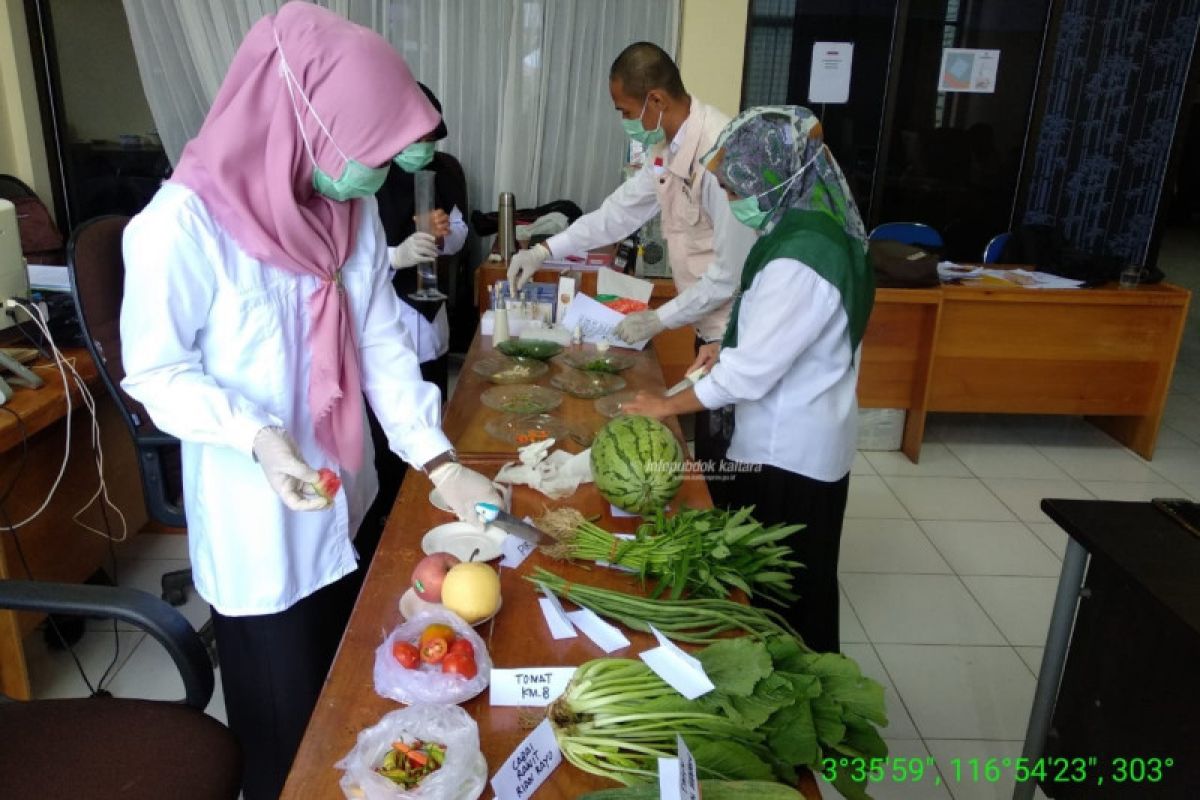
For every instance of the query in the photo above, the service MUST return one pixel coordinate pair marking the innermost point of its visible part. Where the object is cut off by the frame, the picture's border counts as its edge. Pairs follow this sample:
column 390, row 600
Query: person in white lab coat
column 705, row 244
column 258, row 311
column 787, row 362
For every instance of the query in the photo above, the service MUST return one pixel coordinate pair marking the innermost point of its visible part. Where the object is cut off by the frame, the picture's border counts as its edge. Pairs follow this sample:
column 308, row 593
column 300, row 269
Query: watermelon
column 637, row 464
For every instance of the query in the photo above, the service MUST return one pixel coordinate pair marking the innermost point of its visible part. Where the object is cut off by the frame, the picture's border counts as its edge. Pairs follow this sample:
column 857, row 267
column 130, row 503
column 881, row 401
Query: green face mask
column 635, row 130
column 357, row 180
column 746, row 209
column 415, row 157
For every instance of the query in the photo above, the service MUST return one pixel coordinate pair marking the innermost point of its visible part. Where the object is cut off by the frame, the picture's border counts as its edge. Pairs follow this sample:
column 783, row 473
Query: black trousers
column 712, row 434
column 779, row 496
column 272, row 669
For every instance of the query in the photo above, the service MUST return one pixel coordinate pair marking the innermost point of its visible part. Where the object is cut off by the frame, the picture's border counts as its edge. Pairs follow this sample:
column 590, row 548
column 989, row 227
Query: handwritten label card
column 556, row 617
column 515, row 550
column 683, row 672
column 597, row 322
column 528, row 686
column 677, row 778
column 534, row 760
column 607, row 637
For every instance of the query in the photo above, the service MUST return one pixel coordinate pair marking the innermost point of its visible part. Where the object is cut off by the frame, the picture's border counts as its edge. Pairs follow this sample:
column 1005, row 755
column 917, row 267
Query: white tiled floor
column 948, row 567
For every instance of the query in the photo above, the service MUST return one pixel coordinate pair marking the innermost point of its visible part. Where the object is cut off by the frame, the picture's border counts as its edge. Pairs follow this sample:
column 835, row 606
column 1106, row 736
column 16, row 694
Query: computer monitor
column 14, row 279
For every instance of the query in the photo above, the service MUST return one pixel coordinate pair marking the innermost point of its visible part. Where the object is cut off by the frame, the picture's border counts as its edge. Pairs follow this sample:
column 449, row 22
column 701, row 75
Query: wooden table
column 1104, row 353
column 465, row 418
column 55, row 547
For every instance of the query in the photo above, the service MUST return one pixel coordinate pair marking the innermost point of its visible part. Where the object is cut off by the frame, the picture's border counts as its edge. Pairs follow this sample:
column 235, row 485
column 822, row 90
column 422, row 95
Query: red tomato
column 464, row 647
column 434, row 649
column 406, row 654
column 460, row 664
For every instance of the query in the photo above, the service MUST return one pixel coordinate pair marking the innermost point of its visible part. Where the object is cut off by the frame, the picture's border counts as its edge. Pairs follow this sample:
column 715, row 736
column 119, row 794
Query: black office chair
column 107, row 748
column 97, row 271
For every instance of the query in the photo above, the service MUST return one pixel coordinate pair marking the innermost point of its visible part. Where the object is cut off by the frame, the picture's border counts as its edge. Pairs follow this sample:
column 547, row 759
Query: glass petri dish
column 523, row 429
column 521, row 399
column 508, row 370
column 588, row 385
column 597, row 362
column 611, row 406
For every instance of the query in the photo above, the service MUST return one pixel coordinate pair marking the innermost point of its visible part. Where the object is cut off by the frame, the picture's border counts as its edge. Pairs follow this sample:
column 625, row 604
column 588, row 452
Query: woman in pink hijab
column 258, row 312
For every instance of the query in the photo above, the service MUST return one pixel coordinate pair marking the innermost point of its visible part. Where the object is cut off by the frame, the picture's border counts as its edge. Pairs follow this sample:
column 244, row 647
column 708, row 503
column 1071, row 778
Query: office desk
column 1128, row 608
column 54, row 546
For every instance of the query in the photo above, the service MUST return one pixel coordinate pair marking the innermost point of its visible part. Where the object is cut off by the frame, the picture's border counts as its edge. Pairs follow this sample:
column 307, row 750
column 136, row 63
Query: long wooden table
column 519, row 638
column 54, row 547
column 466, row 418
column 1105, row 353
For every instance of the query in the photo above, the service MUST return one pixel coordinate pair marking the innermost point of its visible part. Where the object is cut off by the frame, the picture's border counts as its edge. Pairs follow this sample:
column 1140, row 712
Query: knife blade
column 687, row 383
column 494, row 515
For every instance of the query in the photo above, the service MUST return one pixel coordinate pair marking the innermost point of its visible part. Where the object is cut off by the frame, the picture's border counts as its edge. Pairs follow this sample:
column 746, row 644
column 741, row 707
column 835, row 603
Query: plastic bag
column 461, row 777
column 427, row 683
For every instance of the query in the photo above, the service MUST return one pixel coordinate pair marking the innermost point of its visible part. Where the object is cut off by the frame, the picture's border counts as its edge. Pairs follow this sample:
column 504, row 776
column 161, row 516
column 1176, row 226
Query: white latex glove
column 638, row 326
column 524, row 263
column 286, row 471
column 419, row 248
column 462, row 488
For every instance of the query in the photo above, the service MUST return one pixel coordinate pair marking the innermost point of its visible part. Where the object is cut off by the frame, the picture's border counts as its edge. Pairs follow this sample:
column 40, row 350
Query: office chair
column 995, row 248
column 97, row 271
column 917, row 234
column 108, row 748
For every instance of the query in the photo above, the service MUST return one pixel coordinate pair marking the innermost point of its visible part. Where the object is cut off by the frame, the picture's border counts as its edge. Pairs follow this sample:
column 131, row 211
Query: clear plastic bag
column 427, row 683
column 461, row 777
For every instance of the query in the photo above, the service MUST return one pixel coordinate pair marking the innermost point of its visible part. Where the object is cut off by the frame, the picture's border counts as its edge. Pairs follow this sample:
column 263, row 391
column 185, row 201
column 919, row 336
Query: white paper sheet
column 556, row 617
column 534, row 760
column 597, row 321
column 829, row 76
column 609, row 281
column 682, row 671
column 607, row 637
column 528, row 686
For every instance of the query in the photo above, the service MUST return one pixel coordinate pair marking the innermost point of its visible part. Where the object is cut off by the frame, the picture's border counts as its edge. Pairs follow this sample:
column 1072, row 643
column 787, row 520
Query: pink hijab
column 250, row 166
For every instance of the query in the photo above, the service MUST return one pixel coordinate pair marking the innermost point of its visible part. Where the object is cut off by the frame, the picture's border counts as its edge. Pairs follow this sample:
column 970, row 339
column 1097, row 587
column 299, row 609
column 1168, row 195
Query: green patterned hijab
column 778, row 153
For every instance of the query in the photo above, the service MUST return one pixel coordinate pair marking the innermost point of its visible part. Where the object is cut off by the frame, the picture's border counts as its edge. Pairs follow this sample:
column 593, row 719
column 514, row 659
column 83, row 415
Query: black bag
column 902, row 266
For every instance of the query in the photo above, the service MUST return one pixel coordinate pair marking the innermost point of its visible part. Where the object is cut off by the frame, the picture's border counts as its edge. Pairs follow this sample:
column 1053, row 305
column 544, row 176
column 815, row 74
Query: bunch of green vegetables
column 699, row 621
column 704, row 552
column 776, row 708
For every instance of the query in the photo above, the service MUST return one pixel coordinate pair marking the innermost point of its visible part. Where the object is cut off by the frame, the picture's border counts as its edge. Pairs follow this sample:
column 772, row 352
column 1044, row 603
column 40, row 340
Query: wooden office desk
column 1104, row 353
column 466, row 416
column 55, row 547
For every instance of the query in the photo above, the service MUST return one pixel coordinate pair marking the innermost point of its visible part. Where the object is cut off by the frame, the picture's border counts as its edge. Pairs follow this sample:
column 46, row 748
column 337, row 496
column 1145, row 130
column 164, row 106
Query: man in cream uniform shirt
column 705, row 244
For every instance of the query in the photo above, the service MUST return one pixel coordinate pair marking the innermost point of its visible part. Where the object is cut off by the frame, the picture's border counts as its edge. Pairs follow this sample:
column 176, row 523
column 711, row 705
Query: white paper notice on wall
column 967, row 70
column 829, row 77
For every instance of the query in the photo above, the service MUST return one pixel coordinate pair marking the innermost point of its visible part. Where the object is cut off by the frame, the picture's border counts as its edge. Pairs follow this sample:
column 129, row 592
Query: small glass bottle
column 499, row 321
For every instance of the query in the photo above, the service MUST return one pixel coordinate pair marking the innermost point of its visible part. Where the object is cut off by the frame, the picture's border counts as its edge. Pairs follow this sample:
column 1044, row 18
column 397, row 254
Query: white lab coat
column 214, row 345
column 791, row 375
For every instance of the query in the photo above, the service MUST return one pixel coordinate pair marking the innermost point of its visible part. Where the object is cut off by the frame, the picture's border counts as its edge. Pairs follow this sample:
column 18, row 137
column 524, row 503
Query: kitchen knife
column 494, row 515
column 686, row 383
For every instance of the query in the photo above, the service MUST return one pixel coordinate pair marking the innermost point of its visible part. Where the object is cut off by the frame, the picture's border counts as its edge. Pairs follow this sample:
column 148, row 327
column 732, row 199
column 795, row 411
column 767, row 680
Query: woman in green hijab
column 788, row 362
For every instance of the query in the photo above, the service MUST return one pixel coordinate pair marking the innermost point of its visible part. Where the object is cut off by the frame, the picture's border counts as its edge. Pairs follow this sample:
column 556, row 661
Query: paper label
column 677, row 777
column 534, row 760
column 528, row 686
column 680, row 670
column 607, row 637
column 556, row 617
column 515, row 550
column 597, row 322
column 829, row 76
column 968, row 70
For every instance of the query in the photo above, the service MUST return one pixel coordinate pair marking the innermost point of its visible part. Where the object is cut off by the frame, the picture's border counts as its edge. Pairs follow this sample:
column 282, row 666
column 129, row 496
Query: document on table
column 597, row 322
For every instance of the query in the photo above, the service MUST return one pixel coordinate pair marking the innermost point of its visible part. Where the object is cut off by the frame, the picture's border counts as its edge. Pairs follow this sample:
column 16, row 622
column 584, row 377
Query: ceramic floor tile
column 1061, row 430
column 963, row 766
column 1101, row 463
column 887, row 545
column 900, row 725
column 957, row 692
column 861, row 465
column 1136, row 492
column 1180, row 467
column 994, row 460
column 1024, row 496
column 952, row 428
column 1183, row 413
column 149, row 674
column 1171, row 439
column 1051, row 535
column 1019, row 606
column 850, row 630
column 918, row 609
column 936, row 462
column 146, row 575
column 53, row 674
column 1185, row 379
column 948, row 498
column 173, row 546
column 992, row 548
column 1032, row 656
column 930, row 787
column 871, row 498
